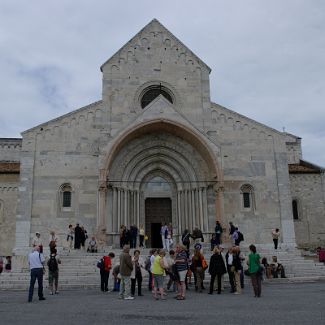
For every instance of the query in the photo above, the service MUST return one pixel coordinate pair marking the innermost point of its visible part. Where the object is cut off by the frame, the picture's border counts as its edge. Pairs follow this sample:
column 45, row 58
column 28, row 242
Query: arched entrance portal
column 158, row 196
column 159, row 173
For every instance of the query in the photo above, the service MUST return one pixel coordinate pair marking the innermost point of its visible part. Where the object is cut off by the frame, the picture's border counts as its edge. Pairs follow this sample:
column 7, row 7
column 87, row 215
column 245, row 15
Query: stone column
column 205, row 210
column 189, row 208
column 184, row 209
column 138, row 208
column 114, row 210
column 201, row 208
column 125, row 208
column 179, row 213
column 118, row 209
column 102, row 205
column 194, row 216
column 219, row 202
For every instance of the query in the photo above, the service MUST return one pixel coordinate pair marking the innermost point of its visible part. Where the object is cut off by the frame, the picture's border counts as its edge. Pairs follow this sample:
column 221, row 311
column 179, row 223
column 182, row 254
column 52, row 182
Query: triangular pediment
column 151, row 33
column 159, row 107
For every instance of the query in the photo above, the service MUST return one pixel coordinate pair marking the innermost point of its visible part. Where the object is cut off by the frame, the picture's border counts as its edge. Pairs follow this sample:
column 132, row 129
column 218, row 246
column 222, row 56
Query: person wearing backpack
column 105, row 268
column 53, row 265
column 240, row 237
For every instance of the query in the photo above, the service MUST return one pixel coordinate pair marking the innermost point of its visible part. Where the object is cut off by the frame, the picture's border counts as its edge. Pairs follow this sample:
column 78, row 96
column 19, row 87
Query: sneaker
column 129, row 298
column 51, row 293
column 236, row 293
column 42, row 298
column 56, row 292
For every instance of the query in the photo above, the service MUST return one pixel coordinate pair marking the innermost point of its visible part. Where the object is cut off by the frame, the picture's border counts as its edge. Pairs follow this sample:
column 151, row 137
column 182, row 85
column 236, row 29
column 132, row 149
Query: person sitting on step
column 277, row 268
column 92, row 245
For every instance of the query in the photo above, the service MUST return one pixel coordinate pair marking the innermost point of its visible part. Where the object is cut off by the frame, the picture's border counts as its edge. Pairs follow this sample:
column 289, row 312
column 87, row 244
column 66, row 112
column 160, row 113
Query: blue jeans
column 36, row 274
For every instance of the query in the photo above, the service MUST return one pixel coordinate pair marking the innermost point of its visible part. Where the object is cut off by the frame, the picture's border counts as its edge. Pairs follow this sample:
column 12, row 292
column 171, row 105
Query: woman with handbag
column 255, row 270
column 199, row 265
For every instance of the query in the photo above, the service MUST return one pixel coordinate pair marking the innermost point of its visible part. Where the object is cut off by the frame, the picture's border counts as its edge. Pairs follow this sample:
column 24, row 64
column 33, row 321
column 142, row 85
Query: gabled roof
column 248, row 119
column 305, row 167
column 62, row 116
column 152, row 26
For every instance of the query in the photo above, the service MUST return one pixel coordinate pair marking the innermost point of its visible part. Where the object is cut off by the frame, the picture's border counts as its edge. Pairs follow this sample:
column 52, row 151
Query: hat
column 37, row 233
column 197, row 246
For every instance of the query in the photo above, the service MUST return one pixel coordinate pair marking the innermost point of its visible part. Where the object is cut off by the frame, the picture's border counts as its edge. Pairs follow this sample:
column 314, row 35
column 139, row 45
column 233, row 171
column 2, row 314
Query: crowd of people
column 172, row 270
column 168, row 269
column 129, row 236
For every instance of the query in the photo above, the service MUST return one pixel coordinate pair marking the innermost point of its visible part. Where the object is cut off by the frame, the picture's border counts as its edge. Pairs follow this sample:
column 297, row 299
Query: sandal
column 180, row 298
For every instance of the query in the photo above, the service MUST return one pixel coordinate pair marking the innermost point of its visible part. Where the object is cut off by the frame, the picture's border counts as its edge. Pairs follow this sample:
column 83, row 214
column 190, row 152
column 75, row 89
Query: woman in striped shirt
column 181, row 267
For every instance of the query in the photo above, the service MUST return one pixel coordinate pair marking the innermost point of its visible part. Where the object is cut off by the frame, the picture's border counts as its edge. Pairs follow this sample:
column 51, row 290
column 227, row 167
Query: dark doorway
column 158, row 211
column 155, row 235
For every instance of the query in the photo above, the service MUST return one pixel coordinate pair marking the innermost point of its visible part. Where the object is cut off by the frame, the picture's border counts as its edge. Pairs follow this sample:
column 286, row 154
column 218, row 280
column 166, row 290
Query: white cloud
column 267, row 58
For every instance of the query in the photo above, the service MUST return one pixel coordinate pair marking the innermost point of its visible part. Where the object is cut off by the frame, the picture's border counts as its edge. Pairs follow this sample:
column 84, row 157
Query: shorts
column 158, row 281
column 182, row 275
column 53, row 276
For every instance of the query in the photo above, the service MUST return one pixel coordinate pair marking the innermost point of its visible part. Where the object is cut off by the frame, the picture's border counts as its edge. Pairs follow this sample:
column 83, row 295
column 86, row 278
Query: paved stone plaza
column 300, row 303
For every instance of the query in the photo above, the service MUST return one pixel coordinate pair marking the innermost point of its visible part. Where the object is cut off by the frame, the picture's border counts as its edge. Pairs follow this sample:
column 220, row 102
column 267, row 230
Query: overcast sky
column 267, row 57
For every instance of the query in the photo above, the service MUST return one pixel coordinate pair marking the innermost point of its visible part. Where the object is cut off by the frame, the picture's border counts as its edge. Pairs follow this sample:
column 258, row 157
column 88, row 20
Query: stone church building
column 155, row 149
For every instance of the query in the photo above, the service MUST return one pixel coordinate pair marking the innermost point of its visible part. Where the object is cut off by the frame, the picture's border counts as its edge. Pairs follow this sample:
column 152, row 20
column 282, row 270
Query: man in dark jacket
column 218, row 231
column 216, row 269
column 133, row 235
column 197, row 234
column 126, row 268
column 77, row 236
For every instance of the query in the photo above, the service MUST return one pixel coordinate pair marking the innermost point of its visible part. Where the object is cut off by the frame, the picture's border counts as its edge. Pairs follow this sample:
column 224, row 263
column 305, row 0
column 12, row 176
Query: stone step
column 78, row 268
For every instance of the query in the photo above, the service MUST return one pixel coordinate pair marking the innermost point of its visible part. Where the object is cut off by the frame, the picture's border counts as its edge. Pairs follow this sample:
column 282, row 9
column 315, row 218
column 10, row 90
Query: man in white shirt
column 36, row 262
column 231, row 269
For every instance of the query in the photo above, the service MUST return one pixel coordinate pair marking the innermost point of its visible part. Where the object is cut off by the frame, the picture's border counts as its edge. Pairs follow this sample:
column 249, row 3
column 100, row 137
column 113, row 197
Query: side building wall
column 9, row 181
column 8, row 204
column 308, row 191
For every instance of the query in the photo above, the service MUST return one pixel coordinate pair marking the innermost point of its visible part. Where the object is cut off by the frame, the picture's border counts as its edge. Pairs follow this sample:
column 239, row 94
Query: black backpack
column 101, row 264
column 240, row 236
column 147, row 264
column 53, row 264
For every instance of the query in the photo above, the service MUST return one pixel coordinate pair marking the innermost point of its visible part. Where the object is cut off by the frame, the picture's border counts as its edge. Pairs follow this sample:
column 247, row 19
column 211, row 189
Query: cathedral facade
column 155, row 149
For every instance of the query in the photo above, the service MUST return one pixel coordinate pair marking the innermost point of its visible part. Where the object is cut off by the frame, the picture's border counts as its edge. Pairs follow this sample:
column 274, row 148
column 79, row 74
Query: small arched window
column 295, row 211
column 66, row 195
column 248, row 200
column 152, row 92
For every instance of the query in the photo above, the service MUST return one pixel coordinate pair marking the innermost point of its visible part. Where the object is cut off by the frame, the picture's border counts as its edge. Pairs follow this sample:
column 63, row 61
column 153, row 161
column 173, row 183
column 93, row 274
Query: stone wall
column 62, row 151
column 253, row 154
column 9, row 181
column 308, row 190
column 8, row 203
column 10, row 149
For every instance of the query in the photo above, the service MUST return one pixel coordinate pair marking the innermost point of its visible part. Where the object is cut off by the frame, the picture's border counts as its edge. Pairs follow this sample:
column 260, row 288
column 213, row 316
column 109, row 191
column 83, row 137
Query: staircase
column 79, row 270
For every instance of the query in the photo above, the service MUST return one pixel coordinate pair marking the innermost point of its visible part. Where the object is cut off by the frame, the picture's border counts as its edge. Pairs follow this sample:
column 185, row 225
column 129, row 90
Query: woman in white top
column 53, row 240
column 37, row 241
